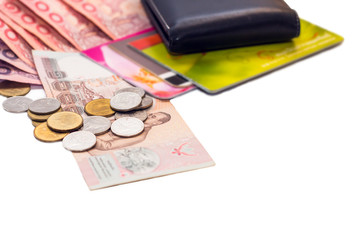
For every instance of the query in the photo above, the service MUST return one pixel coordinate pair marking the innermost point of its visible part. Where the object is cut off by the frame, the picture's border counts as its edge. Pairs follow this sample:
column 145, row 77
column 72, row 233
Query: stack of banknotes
column 60, row 25
column 40, row 44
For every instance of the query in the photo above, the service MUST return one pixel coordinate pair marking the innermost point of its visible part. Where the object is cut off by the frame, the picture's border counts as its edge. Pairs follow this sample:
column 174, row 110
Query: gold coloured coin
column 36, row 123
column 39, row 118
column 45, row 134
column 99, row 107
column 11, row 89
column 65, row 122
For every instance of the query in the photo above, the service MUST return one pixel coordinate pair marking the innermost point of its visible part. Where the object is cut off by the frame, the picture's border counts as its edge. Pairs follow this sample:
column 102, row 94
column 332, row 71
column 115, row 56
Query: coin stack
column 78, row 133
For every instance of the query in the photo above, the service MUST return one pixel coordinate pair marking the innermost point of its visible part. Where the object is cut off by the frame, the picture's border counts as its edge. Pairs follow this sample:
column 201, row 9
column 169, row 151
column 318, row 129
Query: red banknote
column 35, row 25
column 117, row 18
column 77, row 29
column 16, row 43
column 32, row 40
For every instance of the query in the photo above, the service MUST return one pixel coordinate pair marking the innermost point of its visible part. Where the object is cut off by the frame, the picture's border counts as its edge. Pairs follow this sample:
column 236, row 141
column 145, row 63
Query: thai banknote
column 117, row 18
column 166, row 146
column 16, row 43
column 35, row 25
column 7, row 55
column 8, row 72
column 32, row 40
column 78, row 30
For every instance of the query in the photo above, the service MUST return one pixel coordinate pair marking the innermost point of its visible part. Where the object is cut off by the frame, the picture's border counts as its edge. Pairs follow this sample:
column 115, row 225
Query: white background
column 286, row 147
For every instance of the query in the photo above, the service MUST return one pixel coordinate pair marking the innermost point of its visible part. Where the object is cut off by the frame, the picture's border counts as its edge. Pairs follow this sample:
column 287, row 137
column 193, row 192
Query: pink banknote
column 77, row 29
column 166, row 146
column 117, row 18
column 35, row 25
column 31, row 39
column 8, row 72
column 16, row 43
column 7, row 55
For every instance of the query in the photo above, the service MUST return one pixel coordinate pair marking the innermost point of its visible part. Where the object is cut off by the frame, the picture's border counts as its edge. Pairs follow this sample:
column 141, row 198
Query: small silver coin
column 44, row 106
column 127, row 127
column 141, row 114
column 138, row 160
column 146, row 102
column 17, row 104
column 96, row 124
column 137, row 90
column 124, row 102
column 79, row 141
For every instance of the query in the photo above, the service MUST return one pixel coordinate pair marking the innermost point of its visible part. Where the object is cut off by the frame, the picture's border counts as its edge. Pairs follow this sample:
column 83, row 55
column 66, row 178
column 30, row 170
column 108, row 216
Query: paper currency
column 166, row 146
column 117, row 18
column 79, row 31
column 35, row 25
column 7, row 55
column 16, row 43
column 8, row 72
column 32, row 40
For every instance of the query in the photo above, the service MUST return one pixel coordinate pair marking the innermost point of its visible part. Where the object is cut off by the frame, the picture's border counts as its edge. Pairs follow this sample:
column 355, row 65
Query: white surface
column 286, row 147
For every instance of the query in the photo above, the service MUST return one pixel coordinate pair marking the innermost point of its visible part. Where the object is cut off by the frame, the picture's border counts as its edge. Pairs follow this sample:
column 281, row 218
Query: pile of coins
column 78, row 133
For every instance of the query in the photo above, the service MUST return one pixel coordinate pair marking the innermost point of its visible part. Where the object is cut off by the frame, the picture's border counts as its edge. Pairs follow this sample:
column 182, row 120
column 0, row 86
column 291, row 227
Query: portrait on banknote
column 109, row 141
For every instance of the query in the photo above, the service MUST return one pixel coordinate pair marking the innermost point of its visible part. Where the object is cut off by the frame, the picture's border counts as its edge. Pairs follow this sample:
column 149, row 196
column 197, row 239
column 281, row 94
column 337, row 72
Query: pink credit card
column 133, row 72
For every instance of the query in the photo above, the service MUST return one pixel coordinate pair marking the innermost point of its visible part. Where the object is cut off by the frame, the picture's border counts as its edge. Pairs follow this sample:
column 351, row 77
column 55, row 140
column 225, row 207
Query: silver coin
column 125, row 101
column 17, row 104
column 146, row 102
column 79, row 141
column 138, row 160
column 96, row 124
column 141, row 114
column 44, row 106
column 127, row 127
column 136, row 90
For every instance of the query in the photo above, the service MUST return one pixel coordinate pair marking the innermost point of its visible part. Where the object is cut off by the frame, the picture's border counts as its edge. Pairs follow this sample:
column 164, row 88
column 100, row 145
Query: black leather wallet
column 188, row 26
